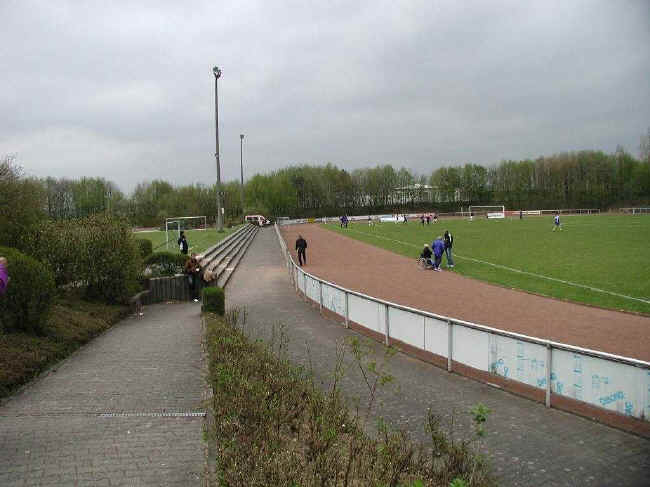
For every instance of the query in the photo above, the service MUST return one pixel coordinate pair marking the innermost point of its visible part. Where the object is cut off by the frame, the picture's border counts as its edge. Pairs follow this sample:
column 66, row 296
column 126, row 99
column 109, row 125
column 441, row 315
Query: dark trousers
column 191, row 280
column 437, row 262
column 302, row 257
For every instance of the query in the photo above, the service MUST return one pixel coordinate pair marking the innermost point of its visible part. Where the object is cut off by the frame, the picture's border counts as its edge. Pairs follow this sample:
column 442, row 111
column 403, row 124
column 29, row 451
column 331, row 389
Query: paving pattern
column 115, row 412
column 528, row 444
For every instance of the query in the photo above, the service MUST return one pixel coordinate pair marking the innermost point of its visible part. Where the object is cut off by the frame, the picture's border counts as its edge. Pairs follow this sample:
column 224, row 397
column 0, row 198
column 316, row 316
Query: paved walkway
column 99, row 418
column 528, row 444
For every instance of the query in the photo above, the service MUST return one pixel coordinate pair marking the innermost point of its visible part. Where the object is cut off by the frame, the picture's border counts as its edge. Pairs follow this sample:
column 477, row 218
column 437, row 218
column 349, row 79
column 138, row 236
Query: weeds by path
column 274, row 426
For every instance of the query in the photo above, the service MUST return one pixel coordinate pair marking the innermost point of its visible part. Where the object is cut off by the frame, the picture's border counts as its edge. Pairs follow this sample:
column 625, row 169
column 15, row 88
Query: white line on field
column 519, row 271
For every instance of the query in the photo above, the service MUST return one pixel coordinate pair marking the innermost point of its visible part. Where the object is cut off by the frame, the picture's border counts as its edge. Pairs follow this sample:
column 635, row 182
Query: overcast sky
column 127, row 93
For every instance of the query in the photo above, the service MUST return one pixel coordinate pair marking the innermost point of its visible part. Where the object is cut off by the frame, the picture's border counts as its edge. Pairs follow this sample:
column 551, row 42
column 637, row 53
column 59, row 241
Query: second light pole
column 241, row 164
column 217, row 74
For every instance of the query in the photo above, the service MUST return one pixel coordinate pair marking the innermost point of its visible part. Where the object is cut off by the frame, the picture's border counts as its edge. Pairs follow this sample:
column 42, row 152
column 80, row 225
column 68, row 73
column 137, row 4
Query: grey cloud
column 126, row 92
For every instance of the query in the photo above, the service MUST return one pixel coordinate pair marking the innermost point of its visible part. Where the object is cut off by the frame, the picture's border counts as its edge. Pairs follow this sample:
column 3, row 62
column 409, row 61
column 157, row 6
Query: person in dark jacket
column 182, row 243
column 426, row 255
column 449, row 242
column 192, row 271
column 438, row 249
column 301, row 247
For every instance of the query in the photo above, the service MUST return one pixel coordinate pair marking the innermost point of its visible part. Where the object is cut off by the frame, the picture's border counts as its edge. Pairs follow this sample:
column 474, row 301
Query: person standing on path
column 4, row 276
column 449, row 242
column 182, row 243
column 556, row 222
column 192, row 270
column 301, row 247
column 438, row 249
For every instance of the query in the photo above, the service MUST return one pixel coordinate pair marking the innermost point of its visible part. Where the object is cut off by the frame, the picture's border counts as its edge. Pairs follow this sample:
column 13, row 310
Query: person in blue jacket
column 438, row 249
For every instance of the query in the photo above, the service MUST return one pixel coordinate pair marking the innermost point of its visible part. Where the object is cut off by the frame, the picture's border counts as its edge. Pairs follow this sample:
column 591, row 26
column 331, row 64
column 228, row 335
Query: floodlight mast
column 217, row 74
column 241, row 165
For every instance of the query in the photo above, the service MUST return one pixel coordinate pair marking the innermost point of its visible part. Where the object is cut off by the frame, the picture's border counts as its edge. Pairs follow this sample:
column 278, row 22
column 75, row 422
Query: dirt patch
column 377, row 272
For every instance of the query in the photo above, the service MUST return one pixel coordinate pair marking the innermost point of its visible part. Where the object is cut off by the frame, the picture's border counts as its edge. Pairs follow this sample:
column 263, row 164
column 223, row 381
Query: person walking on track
column 301, row 247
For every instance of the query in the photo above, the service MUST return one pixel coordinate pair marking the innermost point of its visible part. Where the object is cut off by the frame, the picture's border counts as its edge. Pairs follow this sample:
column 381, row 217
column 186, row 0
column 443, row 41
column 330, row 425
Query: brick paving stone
column 51, row 433
column 527, row 443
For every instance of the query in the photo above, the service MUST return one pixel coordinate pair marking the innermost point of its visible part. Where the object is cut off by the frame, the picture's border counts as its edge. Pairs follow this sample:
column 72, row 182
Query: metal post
column 320, row 296
column 347, row 311
column 450, row 343
column 217, row 74
column 387, row 326
column 549, row 355
column 241, row 164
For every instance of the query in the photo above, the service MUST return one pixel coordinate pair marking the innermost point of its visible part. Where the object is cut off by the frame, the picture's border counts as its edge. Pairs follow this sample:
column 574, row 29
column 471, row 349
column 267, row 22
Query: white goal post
column 493, row 211
column 178, row 221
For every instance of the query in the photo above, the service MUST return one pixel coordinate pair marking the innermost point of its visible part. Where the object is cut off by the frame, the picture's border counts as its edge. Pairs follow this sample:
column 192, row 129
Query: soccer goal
column 183, row 223
column 494, row 211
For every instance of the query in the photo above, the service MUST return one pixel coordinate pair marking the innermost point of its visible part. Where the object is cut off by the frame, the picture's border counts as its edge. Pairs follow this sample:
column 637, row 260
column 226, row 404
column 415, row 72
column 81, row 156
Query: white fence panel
column 301, row 280
column 471, row 347
column 367, row 313
column 518, row 360
column 611, row 385
column 406, row 326
column 334, row 299
column 313, row 289
column 436, row 336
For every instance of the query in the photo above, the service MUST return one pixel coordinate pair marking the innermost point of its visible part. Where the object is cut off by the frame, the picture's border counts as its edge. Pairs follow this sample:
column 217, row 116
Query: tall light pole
column 241, row 165
column 217, row 74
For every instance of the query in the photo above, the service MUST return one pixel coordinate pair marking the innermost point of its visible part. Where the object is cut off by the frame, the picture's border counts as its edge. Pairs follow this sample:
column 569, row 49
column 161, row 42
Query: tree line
column 584, row 179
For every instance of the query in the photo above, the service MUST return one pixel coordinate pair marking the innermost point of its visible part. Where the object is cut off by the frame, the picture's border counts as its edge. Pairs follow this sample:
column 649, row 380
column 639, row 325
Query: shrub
column 214, row 300
column 144, row 246
column 169, row 263
column 98, row 252
column 26, row 304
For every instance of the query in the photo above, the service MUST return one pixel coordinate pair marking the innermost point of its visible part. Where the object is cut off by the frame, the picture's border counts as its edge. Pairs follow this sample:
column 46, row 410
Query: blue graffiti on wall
column 605, row 400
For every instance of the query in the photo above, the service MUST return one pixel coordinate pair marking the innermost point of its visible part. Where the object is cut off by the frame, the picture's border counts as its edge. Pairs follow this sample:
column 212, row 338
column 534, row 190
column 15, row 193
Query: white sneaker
column 196, row 300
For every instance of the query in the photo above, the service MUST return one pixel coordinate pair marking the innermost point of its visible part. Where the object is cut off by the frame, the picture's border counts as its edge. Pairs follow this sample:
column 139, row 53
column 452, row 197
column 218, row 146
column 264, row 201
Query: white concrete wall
column 470, row 347
column 407, row 327
column 435, row 336
column 518, row 360
column 334, row 299
column 367, row 313
column 603, row 383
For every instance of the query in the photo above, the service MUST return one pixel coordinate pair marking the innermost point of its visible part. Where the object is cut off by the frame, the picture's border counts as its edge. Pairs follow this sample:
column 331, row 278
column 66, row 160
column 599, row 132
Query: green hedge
column 98, row 252
column 166, row 258
column 144, row 246
column 214, row 300
column 26, row 304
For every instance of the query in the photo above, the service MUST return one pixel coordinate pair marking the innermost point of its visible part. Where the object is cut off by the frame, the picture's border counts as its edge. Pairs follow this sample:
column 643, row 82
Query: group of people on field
column 428, row 217
column 441, row 245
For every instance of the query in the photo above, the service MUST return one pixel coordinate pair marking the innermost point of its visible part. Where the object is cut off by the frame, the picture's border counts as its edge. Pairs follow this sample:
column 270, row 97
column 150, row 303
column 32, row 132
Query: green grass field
column 198, row 240
column 608, row 253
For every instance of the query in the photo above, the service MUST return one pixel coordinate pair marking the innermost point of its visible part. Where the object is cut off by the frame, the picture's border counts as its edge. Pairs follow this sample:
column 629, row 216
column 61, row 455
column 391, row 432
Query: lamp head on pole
column 241, row 136
column 217, row 72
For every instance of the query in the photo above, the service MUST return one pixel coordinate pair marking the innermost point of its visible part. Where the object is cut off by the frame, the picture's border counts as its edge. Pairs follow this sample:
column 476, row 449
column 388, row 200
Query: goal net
column 179, row 223
column 494, row 211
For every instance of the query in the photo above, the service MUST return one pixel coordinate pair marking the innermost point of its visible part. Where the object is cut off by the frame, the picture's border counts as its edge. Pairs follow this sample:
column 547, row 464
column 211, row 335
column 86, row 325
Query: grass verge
column 274, row 426
column 72, row 322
